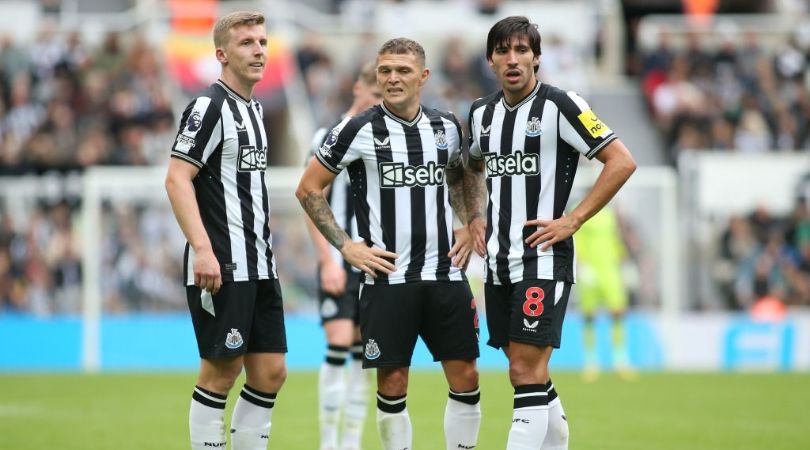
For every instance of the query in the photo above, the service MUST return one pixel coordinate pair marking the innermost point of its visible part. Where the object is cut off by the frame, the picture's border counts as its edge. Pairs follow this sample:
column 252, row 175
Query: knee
column 465, row 379
column 279, row 376
column 276, row 376
column 222, row 379
column 392, row 382
column 522, row 372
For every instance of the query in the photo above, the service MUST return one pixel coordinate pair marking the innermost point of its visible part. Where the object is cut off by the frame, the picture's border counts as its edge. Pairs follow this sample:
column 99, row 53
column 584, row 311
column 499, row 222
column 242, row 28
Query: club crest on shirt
column 194, row 121
column 533, row 127
column 372, row 350
column 234, row 339
column 441, row 140
column 331, row 140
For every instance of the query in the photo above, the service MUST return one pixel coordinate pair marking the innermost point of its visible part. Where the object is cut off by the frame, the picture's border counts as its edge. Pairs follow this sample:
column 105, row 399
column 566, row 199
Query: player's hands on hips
column 478, row 230
column 460, row 253
column 368, row 259
column 206, row 271
column 549, row 232
column 333, row 278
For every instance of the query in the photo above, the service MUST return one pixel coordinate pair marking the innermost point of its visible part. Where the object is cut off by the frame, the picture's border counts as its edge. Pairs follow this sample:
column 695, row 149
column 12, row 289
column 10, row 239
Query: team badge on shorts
column 329, row 308
column 234, row 339
column 372, row 350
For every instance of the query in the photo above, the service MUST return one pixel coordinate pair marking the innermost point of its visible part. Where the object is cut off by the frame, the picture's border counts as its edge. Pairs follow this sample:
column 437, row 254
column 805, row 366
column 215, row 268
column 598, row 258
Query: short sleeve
column 580, row 127
column 200, row 132
column 337, row 150
column 472, row 142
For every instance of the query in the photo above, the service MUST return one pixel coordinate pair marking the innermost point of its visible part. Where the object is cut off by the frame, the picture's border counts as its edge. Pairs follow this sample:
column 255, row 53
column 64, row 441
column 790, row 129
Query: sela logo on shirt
column 252, row 159
column 234, row 339
column 441, row 140
column 517, row 163
column 395, row 174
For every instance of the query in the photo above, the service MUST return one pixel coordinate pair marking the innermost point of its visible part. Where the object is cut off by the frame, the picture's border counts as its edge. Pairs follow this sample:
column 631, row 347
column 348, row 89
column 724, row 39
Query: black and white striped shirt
column 340, row 197
column 397, row 177
column 223, row 134
column 531, row 151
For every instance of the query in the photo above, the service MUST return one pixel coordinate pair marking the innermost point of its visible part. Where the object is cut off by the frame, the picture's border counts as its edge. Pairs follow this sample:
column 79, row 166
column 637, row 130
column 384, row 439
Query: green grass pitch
column 659, row 411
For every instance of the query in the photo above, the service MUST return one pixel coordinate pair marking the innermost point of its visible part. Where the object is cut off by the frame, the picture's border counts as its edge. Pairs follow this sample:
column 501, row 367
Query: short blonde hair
column 232, row 20
column 368, row 74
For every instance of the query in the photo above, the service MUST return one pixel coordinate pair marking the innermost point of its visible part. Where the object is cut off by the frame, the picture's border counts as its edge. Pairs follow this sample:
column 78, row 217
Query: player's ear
column 221, row 56
column 425, row 74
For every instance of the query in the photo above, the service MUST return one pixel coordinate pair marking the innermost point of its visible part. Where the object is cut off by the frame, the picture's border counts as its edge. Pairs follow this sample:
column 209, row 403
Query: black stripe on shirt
column 388, row 206
column 243, row 180
column 532, row 145
column 505, row 216
column 413, row 142
column 268, row 253
column 486, row 122
column 443, row 268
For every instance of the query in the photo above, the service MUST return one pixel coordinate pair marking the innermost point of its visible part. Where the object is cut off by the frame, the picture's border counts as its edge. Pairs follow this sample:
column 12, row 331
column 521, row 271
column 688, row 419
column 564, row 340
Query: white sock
column 530, row 418
column 206, row 420
column 462, row 419
column 251, row 420
column 331, row 392
column 356, row 404
column 393, row 423
column 557, row 434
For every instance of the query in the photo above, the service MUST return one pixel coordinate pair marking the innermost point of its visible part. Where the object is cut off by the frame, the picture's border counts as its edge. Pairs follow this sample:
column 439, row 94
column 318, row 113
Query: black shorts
column 443, row 313
column 347, row 306
column 249, row 319
column 529, row 312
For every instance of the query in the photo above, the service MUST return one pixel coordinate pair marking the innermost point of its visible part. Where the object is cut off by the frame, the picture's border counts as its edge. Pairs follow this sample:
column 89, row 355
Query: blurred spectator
column 64, row 106
column 763, row 256
column 698, row 92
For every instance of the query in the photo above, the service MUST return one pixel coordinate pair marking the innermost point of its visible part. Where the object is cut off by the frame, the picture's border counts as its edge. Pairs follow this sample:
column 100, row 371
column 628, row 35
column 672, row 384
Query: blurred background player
column 600, row 254
column 342, row 392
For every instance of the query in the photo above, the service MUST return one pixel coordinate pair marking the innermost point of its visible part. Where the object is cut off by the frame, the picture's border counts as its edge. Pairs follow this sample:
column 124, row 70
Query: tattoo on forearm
column 318, row 210
column 474, row 190
column 455, row 185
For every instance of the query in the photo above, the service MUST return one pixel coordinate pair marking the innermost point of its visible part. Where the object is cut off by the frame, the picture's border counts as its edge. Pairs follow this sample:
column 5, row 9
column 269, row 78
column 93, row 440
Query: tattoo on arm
column 474, row 189
column 318, row 209
column 455, row 183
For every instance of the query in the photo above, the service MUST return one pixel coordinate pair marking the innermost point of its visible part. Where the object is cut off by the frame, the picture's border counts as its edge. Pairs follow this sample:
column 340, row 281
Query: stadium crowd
column 738, row 96
column 765, row 256
column 66, row 106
